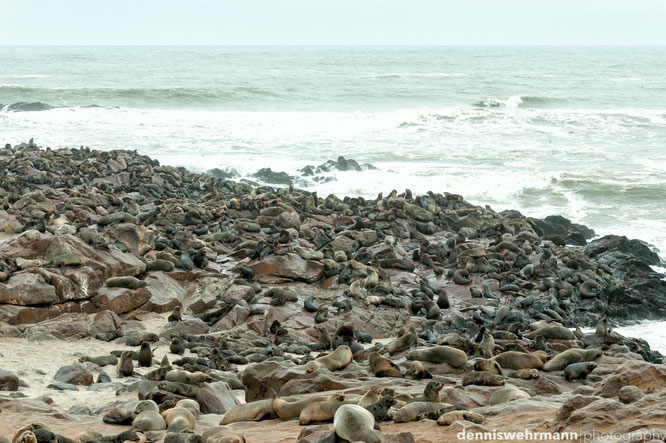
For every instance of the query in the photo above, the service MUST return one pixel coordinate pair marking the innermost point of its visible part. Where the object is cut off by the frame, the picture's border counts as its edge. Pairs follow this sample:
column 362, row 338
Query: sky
column 338, row 22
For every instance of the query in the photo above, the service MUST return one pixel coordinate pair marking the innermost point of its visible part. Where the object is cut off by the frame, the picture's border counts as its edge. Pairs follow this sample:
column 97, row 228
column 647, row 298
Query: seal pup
column 488, row 366
column 449, row 417
column 417, row 371
column 430, row 393
column 602, row 326
column 576, row 371
column 177, row 346
column 125, row 366
column 380, row 408
column 355, row 423
column 145, row 355
column 482, row 378
column 325, row 337
column 175, row 315
column 411, row 411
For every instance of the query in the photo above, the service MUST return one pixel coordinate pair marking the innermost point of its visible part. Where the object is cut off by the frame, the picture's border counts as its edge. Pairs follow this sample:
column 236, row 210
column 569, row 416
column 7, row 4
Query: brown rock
column 74, row 375
column 120, row 300
column 276, row 268
column 641, row 374
column 27, row 288
column 216, row 398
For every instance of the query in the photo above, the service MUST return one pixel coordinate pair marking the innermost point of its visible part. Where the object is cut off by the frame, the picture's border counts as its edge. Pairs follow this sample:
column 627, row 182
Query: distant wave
column 26, row 107
column 175, row 96
column 516, row 101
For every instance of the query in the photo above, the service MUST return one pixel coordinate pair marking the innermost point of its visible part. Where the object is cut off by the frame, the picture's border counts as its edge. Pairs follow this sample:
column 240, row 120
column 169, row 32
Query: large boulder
column 27, row 289
column 74, row 375
column 8, row 381
column 216, row 398
column 277, row 268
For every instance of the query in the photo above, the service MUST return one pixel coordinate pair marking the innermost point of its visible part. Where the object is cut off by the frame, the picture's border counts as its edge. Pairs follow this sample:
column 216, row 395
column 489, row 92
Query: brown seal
column 287, row 410
column 337, row 359
column 382, row 366
column 440, row 354
column 221, row 434
column 518, row 360
column 564, row 359
column 450, row 417
column 125, row 366
column 506, row 395
column 430, row 393
column 405, row 341
column 482, row 378
column 411, row 411
column 145, row 355
column 488, row 366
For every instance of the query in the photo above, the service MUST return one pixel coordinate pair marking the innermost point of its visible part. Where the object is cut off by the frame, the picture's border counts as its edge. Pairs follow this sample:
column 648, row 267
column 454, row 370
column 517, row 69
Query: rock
column 276, row 178
column 8, row 381
column 216, row 398
column 192, row 326
column 572, row 404
column 106, row 326
column 277, row 268
column 629, row 394
column 74, row 374
column 121, row 300
column 26, row 288
column 635, row 373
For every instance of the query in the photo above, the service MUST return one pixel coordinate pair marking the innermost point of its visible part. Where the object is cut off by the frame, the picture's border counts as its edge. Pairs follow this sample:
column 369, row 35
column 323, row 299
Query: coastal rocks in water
column 267, row 175
column 637, row 291
column 560, row 229
column 28, row 107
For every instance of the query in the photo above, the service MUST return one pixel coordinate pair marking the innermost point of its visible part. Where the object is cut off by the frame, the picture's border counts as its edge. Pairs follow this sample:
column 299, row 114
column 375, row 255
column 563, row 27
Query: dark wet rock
column 8, row 381
column 74, row 374
column 28, row 107
column 267, row 175
column 216, row 398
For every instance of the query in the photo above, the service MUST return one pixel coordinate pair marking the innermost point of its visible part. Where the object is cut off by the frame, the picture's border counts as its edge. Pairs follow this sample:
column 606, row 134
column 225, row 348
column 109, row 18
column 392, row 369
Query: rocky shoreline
column 253, row 283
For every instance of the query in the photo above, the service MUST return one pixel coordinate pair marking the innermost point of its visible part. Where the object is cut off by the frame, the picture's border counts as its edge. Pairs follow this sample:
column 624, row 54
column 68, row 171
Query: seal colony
column 384, row 320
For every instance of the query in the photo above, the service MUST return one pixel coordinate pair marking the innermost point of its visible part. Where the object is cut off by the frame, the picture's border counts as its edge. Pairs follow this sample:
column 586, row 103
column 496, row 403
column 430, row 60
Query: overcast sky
column 334, row 22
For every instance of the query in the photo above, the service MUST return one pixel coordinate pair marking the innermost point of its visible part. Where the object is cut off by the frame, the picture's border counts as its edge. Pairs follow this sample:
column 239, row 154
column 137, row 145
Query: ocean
column 575, row 131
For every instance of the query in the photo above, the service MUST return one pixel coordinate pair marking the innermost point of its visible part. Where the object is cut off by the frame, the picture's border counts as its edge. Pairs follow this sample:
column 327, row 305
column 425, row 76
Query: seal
column 125, row 366
column 456, row 341
column 552, row 332
column 411, row 411
column 450, row 417
column 518, row 360
column 564, row 359
column 540, row 343
column 382, row 366
column 124, row 282
column 405, row 341
column 287, row 410
column 86, row 436
column 430, row 393
column 355, row 423
column 190, row 404
column 309, row 304
column 602, row 326
column 175, row 315
column 158, row 374
column 380, row 409
column 190, row 378
column 486, row 348
column 179, row 388
column 337, row 359
column 490, row 366
column 221, row 434
column 524, row 374
column 320, row 411
column 181, row 416
column 127, row 412
column 416, row 371
column 440, row 354
column 159, row 265
column 325, row 338
column 25, row 436
column 580, row 371
column 482, row 378
column 461, row 277
column 177, row 346
column 181, row 437
column 149, row 421
column 370, row 397
column 255, row 410
column 101, row 361
column 506, row 395
column 145, row 355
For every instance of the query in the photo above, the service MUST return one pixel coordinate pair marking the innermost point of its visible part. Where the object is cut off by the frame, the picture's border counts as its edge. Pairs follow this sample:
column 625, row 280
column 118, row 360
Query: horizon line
column 662, row 45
